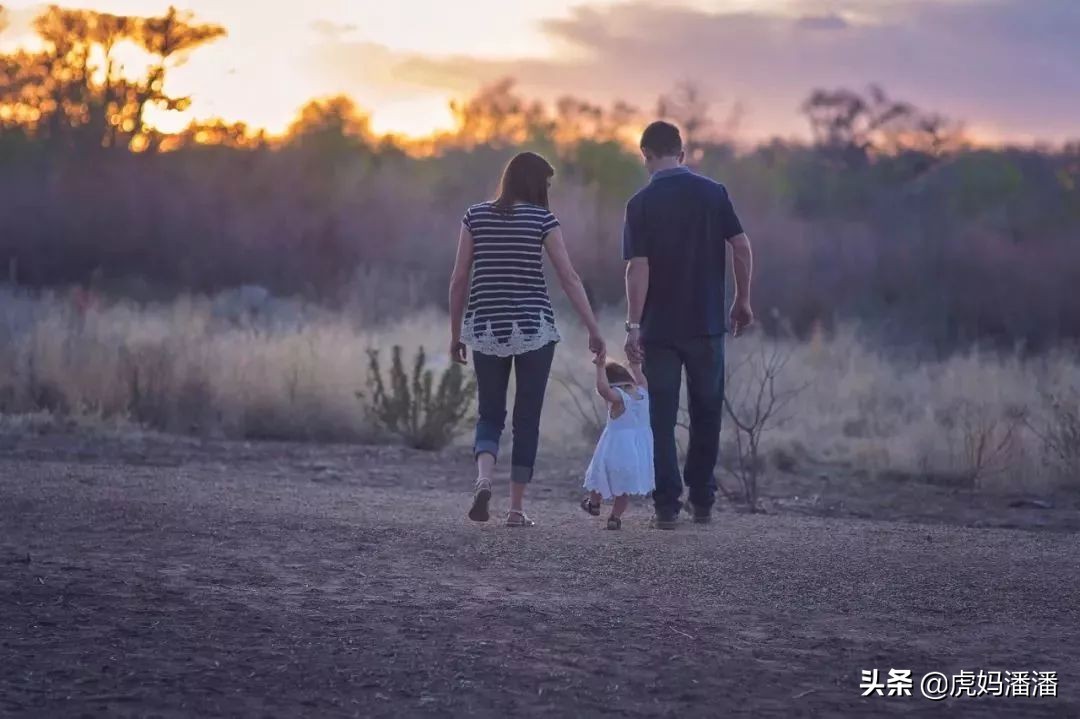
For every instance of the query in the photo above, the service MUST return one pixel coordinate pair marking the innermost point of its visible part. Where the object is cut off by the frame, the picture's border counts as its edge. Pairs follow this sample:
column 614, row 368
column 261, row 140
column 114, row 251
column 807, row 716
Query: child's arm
column 602, row 387
column 639, row 375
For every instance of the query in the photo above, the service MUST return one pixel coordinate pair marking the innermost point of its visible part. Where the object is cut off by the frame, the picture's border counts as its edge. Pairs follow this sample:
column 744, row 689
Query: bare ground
column 163, row 577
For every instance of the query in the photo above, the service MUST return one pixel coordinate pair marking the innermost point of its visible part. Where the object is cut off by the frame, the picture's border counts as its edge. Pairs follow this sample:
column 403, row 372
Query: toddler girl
column 622, row 464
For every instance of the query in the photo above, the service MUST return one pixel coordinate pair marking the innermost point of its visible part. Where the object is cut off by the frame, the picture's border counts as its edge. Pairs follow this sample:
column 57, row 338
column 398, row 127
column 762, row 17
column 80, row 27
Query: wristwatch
column 633, row 326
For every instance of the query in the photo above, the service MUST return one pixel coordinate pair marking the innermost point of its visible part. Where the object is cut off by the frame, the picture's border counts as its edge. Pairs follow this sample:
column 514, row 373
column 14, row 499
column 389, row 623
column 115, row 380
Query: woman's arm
column 639, row 375
column 602, row 387
column 459, row 290
column 571, row 284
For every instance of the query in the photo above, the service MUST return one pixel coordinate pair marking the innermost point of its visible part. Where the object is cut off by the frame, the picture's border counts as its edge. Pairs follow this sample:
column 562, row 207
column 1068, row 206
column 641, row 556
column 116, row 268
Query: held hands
column 741, row 316
column 635, row 352
column 596, row 344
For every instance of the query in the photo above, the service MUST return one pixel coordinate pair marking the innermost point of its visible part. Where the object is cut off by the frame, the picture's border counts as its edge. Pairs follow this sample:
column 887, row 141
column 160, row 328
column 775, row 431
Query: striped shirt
column 509, row 310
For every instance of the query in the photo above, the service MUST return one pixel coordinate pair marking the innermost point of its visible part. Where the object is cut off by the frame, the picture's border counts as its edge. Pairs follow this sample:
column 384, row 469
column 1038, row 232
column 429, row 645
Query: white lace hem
column 485, row 342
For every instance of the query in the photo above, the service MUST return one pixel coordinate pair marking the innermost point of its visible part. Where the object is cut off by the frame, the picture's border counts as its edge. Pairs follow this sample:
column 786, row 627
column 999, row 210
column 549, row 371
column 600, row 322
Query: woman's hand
column 596, row 343
column 458, row 353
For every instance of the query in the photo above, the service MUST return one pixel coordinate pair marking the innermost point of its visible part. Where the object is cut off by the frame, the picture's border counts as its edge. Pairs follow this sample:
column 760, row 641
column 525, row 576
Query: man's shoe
column 663, row 520
column 702, row 515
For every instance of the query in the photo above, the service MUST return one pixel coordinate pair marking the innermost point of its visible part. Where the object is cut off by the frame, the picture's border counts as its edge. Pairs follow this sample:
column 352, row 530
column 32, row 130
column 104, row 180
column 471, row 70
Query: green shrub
column 423, row 418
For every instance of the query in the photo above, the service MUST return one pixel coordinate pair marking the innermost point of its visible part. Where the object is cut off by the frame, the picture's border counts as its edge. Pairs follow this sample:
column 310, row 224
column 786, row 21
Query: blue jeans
column 703, row 358
column 531, row 371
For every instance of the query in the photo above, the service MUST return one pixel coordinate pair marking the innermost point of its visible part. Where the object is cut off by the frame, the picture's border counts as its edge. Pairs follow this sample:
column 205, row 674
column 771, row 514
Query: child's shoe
column 588, row 506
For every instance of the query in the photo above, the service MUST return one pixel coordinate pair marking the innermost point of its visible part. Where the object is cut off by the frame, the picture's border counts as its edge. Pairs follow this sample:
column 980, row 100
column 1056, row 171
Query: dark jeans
column 531, row 372
column 703, row 358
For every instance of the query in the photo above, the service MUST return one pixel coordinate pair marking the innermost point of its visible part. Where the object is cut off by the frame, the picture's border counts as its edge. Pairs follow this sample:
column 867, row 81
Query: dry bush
column 985, row 438
column 1059, row 432
column 587, row 411
column 755, row 402
column 423, row 418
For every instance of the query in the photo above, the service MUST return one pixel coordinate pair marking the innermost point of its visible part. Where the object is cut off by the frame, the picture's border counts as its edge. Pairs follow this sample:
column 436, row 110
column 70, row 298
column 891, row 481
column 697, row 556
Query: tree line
column 888, row 216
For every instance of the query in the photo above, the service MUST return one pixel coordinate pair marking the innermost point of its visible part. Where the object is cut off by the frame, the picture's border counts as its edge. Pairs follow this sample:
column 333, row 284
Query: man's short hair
column 661, row 139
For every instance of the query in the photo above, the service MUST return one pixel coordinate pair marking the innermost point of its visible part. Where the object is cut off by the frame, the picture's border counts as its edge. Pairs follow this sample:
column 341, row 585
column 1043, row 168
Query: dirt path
column 253, row 580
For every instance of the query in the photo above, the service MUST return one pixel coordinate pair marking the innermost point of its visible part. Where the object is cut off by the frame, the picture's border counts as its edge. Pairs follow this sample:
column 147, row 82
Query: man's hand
column 458, row 351
column 741, row 316
column 634, row 350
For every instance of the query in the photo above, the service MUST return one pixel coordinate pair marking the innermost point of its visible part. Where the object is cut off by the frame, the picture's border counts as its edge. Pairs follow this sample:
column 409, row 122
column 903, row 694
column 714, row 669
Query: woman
column 508, row 321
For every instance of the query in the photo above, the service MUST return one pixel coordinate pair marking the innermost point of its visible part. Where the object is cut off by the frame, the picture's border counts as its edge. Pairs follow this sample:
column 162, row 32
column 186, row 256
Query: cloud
column 822, row 22
column 330, row 30
column 371, row 69
column 1008, row 65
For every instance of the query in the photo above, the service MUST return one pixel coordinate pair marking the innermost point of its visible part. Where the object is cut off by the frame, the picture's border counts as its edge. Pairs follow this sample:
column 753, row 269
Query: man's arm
column 742, row 265
column 636, row 254
column 637, row 287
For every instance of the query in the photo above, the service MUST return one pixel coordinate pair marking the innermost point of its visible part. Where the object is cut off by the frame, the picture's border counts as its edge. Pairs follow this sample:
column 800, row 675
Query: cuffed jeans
column 531, row 371
column 703, row 358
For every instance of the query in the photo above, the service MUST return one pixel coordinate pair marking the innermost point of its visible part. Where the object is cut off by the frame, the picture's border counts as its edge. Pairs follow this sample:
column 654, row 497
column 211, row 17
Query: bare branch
column 591, row 417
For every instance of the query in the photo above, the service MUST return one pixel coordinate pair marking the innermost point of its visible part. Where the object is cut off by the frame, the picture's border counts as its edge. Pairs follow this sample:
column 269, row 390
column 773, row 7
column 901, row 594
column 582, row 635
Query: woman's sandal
column 481, row 496
column 588, row 506
column 517, row 518
column 614, row 523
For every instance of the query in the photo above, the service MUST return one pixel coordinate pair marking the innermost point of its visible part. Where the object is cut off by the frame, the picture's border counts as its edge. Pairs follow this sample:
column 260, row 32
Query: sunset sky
column 1007, row 68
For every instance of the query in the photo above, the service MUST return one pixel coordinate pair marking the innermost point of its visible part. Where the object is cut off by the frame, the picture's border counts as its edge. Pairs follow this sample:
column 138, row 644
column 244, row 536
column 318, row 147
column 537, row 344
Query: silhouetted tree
column 74, row 93
column 852, row 126
column 168, row 39
column 576, row 119
column 498, row 117
column 687, row 108
column 215, row 133
column 332, row 124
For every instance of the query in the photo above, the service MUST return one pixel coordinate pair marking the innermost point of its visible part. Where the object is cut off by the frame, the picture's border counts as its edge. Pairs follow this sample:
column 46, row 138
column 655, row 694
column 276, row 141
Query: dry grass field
column 250, row 367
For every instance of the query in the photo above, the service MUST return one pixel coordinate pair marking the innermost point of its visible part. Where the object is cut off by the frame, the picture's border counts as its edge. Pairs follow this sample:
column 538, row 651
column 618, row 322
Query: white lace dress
column 623, row 460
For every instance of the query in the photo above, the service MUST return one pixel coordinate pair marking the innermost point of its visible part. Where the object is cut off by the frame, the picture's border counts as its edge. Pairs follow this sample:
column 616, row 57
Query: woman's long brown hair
column 525, row 179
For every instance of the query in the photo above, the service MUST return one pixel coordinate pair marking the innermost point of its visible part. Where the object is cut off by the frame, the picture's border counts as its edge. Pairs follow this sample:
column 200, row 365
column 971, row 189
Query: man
column 674, row 241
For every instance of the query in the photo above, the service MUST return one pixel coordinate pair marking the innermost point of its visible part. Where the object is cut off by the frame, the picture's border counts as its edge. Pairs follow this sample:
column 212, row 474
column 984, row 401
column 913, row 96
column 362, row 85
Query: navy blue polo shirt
column 681, row 222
